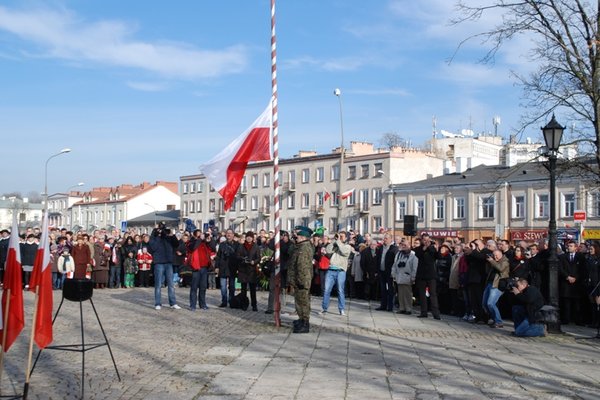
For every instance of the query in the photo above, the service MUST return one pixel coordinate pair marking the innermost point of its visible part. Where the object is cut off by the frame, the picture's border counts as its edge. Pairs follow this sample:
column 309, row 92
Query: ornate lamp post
column 553, row 132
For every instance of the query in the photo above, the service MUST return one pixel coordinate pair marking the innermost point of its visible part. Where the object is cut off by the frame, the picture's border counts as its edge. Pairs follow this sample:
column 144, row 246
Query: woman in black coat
column 443, row 266
column 593, row 287
column 249, row 256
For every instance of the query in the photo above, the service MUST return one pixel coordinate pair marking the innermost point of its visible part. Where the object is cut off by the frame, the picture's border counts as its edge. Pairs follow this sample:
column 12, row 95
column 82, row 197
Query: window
column 291, row 223
column 352, row 172
column 335, row 200
column 459, row 208
column 542, row 206
column 335, row 172
column 305, row 221
column 292, row 178
column 254, row 181
column 305, row 200
column 486, row 207
column 364, row 171
column 378, row 167
column 319, row 199
column 400, row 209
column 212, row 205
column 364, row 199
column 333, row 224
column 568, row 204
column 211, row 188
column 518, row 207
column 305, row 175
column 291, row 201
column 243, row 204
column 439, row 208
column 254, row 203
column 200, row 187
column 596, row 204
column 319, row 174
column 377, row 196
column 266, row 179
column 377, row 223
column 192, row 206
column 193, row 187
column 101, row 216
column 244, row 185
column 420, row 208
column 232, row 208
column 185, row 188
column 185, row 208
column 352, row 223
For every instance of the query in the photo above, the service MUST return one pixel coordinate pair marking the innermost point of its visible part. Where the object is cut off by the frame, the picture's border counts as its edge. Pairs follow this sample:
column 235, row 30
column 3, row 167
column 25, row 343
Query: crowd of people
column 480, row 281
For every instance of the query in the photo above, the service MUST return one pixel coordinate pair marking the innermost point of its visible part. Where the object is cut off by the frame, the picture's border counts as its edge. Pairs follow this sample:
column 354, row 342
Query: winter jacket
column 338, row 253
column 404, row 269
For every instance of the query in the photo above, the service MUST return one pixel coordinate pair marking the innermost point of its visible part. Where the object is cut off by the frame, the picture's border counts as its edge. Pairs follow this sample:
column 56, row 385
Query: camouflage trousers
column 302, row 299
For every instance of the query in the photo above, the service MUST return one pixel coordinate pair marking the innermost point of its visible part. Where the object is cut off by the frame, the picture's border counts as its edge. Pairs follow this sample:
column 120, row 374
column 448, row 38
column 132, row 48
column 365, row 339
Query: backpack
column 241, row 301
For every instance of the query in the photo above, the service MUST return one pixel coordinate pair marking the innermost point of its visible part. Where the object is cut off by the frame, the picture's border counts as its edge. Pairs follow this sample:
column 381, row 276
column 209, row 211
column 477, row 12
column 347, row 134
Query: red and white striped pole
column 277, row 305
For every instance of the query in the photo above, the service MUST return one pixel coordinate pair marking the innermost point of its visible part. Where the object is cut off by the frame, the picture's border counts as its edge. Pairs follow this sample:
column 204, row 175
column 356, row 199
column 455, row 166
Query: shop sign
column 528, row 235
column 440, row 233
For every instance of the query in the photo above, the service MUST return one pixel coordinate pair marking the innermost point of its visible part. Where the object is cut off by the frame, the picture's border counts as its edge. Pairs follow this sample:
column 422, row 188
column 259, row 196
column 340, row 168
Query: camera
column 511, row 283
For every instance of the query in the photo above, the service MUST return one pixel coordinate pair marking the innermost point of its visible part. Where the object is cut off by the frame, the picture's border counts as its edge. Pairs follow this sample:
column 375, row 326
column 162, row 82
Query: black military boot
column 297, row 323
column 303, row 327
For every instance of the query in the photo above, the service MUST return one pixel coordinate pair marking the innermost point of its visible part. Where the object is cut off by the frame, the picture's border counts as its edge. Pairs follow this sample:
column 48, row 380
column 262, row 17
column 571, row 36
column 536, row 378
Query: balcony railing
column 318, row 210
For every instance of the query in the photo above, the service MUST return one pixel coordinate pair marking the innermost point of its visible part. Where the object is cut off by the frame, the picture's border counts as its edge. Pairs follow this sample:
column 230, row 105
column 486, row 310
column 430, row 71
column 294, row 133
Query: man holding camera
column 162, row 246
column 338, row 252
column 526, row 315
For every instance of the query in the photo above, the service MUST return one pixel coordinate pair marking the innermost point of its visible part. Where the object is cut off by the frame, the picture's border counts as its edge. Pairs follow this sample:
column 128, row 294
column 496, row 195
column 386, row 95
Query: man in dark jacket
column 476, row 259
column 384, row 261
column 368, row 263
column 427, row 276
column 570, row 277
column 526, row 315
column 226, row 263
column 162, row 247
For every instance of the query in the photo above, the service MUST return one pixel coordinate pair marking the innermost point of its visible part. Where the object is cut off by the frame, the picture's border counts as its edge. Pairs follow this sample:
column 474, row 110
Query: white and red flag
column 226, row 170
column 347, row 194
column 327, row 195
column 41, row 281
column 14, row 319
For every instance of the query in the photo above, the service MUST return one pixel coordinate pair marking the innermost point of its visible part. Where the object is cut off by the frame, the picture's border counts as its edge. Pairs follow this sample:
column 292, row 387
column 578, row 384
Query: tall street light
column 63, row 151
column 338, row 93
column 552, row 135
column 74, row 186
column 380, row 171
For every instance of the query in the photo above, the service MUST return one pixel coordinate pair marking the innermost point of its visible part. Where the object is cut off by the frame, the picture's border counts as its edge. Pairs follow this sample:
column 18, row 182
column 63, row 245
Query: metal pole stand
column 79, row 291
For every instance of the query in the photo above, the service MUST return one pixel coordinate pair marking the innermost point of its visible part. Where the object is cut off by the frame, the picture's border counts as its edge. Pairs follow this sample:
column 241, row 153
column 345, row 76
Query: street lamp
column 63, row 151
column 152, row 207
column 552, row 135
column 338, row 93
column 74, row 186
column 380, row 171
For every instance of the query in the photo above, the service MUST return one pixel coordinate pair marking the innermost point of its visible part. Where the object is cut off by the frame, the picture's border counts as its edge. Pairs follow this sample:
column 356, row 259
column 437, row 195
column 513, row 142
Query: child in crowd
column 131, row 268
column 65, row 265
column 144, row 260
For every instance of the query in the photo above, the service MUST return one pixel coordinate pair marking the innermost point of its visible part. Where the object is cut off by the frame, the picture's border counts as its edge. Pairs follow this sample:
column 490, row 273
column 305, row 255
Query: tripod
column 79, row 292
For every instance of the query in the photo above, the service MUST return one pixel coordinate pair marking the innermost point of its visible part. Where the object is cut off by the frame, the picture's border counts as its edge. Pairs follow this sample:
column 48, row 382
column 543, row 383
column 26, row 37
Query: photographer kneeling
column 526, row 315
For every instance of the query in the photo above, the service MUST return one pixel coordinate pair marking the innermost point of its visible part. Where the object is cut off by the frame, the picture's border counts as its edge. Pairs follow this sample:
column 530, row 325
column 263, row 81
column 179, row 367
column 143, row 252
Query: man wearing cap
column 338, row 252
column 300, row 274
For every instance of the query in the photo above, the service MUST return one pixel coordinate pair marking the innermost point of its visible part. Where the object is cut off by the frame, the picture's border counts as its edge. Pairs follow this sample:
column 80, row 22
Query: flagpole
column 277, row 305
column 30, row 354
column 4, row 330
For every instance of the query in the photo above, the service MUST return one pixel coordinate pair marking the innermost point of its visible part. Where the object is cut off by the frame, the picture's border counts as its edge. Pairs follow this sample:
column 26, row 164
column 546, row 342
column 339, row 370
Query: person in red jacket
column 144, row 260
column 200, row 251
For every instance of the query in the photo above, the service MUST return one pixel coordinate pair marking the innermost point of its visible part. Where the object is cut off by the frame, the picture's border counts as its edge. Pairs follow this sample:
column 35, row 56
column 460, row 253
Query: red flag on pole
column 347, row 194
column 226, row 170
column 41, row 279
column 326, row 196
column 14, row 317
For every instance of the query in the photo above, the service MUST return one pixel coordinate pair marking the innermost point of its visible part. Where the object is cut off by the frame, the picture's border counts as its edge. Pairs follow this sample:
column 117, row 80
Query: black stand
column 79, row 291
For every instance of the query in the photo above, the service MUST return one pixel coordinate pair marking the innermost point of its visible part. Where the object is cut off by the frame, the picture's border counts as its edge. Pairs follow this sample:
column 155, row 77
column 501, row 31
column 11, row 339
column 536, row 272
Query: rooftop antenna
column 496, row 121
column 434, row 131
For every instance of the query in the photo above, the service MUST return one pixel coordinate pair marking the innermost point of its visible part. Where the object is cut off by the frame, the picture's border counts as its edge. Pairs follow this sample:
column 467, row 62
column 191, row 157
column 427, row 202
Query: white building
column 109, row 207
column 59, row 205
column 304, row 182
column 28, row 214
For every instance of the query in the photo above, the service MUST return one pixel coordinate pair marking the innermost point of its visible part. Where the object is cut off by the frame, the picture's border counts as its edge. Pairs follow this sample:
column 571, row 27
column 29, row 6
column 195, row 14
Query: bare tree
column 566, row 40
column 390, row 140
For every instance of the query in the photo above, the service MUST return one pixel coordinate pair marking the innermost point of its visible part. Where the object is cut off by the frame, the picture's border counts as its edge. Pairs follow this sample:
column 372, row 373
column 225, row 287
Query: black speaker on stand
column 410, row 225
column 80, row 290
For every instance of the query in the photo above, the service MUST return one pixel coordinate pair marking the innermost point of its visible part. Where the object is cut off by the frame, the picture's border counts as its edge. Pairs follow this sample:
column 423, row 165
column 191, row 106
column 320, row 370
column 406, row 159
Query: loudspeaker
column 410, row 225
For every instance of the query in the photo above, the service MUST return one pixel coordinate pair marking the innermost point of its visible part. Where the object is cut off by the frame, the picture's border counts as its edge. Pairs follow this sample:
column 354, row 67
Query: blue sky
column 149, row 90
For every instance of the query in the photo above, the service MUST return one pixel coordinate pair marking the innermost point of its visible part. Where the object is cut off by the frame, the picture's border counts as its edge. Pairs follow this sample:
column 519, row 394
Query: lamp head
column 553, row 132
column 337, row 92
column 65, row 150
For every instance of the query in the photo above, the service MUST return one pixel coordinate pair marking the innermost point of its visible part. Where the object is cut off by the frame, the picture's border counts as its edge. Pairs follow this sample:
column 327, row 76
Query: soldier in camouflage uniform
column 300, row 274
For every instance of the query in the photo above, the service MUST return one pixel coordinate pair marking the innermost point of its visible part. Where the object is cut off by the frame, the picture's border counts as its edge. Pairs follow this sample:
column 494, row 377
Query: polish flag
column 41, row 281
column 347, row 194
column 327, row 195
column 226, row 170
column 12, row 319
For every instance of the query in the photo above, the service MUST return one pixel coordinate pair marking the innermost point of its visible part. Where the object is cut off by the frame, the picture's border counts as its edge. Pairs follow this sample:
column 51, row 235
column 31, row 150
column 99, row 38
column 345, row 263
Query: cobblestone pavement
column 232, row 354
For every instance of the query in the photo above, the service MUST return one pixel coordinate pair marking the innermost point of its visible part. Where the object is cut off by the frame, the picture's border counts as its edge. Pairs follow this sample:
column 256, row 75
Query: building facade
column 59, row 208
column 28, row 214
column 309, row 187
column 109, row 207
column 501, row 202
